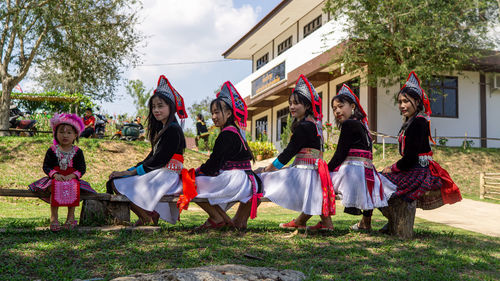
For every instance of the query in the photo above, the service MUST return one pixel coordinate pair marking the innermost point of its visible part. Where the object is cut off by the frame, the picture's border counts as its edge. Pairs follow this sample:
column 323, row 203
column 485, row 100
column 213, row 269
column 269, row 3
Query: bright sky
column 187, row 31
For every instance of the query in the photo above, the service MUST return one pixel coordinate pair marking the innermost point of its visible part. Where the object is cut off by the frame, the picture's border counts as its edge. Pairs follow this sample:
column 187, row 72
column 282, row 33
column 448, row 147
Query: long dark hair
column 155, row 127
column 357, row 112
column 419, row 107
column 299, row 98
column 222, row 106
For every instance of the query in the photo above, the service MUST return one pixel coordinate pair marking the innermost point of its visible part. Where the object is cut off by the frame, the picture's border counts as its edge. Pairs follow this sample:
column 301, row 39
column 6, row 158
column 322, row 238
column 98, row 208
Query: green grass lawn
column 437, row 252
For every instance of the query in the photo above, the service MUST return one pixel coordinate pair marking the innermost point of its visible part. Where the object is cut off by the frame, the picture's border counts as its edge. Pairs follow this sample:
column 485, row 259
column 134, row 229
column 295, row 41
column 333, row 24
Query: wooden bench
column 489, row 186
column 100, row 206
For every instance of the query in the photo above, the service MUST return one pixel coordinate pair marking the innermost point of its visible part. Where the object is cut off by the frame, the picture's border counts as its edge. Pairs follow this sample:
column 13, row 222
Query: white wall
column 492, row 111
column 313, row 14
column 291, row 31
column 266, row 49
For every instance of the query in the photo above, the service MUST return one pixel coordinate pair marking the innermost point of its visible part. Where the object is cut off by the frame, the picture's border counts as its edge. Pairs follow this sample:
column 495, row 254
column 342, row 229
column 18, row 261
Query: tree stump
column 401, row 216
column 101, row 212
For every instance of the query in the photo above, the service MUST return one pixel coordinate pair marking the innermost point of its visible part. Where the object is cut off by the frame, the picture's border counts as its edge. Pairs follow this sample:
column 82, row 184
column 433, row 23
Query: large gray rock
column 218, row 272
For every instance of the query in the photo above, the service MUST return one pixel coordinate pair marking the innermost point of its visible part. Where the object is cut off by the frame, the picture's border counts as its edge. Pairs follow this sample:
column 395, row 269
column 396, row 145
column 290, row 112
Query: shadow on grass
column 337, row 255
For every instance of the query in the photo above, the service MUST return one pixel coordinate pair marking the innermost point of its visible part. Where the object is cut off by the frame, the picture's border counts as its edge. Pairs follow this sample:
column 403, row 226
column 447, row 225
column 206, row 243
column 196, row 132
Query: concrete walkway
column 467, row 214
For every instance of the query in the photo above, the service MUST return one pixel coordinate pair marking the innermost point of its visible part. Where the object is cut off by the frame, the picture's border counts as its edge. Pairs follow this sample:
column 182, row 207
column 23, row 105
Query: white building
column 290, row 41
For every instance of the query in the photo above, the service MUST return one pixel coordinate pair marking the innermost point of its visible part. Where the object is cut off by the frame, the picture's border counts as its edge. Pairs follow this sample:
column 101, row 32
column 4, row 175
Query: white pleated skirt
column 229, row 186
column 350, row 182
column 146, row 191
column 296, row 189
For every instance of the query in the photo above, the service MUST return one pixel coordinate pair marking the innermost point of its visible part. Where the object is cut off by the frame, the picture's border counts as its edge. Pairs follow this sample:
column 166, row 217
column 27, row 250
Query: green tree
column 90, row 42
column 394, row 37
column 202, row 107
column 136, row 89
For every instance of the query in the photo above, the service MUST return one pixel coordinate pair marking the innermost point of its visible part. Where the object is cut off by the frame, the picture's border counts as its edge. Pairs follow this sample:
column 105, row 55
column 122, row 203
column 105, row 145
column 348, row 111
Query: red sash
column 449, row 191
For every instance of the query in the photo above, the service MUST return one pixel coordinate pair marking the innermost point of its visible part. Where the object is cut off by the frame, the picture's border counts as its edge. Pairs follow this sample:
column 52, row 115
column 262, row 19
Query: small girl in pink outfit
column 64, row 165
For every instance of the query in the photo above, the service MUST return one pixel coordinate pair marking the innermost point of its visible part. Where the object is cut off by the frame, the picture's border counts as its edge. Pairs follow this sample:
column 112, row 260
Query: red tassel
column 188, row 189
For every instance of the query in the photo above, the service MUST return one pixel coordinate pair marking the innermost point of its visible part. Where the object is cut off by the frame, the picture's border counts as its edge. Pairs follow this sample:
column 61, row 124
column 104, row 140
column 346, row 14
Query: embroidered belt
column 311, row 159
column 254, row 180
column 363, row 158
column 307, row 158
column 175, row 164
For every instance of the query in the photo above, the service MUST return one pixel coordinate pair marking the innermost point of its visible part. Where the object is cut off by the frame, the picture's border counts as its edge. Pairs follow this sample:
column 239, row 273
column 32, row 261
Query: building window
column 312, row 26
column 282, row 117
column 285, row 45
column 353, row 84
column 443, row 95
column 263, row 60
column 261, row 129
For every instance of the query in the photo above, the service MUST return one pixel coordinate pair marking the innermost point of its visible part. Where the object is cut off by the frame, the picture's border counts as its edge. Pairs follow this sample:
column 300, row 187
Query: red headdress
column 305, row 88
column 346, row 91
column 413, row 83
column 232, row 98
column 165, row 88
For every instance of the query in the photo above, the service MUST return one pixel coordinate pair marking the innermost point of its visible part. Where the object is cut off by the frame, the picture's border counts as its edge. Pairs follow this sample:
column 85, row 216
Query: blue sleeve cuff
column 131, row 168
column 277, row 164
column 140, row 170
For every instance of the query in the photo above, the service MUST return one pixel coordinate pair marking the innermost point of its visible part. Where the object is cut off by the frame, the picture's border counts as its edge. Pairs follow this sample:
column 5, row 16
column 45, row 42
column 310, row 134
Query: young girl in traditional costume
column 227, row 175
column 305, row 186
column 160, row 173
column 416, row 173
column 352, row 171
column 64, row 165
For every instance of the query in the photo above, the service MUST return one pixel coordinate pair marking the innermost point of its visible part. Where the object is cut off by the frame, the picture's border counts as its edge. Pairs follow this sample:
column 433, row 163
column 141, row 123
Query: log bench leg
column 103, row 212
column 401, row 216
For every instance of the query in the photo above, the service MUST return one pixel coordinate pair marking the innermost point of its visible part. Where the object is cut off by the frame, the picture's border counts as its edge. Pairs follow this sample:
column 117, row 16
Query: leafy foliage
column 136, row 89
column 78, row 46
column 394, row 37
column 202, row 107
column 53, row 101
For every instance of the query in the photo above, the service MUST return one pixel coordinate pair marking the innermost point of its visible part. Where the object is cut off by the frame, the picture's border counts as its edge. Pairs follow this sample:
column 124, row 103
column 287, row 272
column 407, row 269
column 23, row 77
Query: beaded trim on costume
column 307, row 158
column 359, row 157
column 237, row 165
column 64, row 159
column 175, row 166
column 423, row 160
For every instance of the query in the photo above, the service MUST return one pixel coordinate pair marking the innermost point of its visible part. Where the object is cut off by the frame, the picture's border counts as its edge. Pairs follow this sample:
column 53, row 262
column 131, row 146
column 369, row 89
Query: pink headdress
column 67, row 118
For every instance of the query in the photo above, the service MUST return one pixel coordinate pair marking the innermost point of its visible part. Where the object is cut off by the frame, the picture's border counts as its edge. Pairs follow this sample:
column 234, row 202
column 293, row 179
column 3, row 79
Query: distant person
column 138, row 121
column 201, row 129
column 64, row 165
column 89, row 122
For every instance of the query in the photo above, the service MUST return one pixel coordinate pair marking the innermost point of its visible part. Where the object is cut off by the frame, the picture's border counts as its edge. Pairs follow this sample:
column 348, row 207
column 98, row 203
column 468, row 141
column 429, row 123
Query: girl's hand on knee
column 58, row 177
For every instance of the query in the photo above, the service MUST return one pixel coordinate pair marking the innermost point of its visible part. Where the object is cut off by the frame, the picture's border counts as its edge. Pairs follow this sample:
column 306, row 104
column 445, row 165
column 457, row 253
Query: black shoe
column 352, row 211
column 384, row 229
